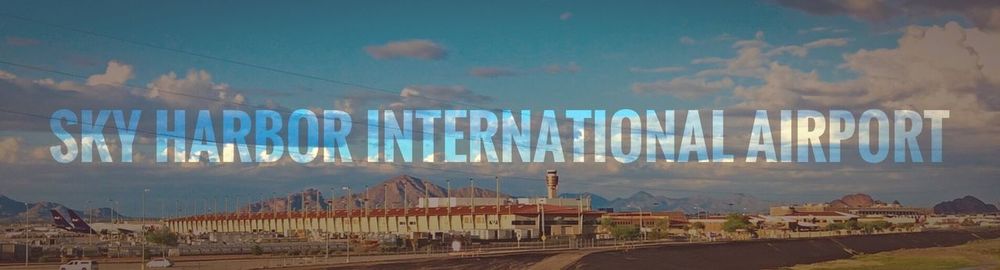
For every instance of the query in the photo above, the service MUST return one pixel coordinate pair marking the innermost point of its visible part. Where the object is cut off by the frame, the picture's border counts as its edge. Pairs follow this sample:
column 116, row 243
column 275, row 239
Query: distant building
column 478, row 217
column 648, row 221
column 479, row 201
column 884, row 210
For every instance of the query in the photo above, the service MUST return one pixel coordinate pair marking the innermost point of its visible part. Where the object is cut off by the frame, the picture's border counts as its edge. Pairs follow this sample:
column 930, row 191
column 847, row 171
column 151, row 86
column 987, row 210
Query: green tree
column 624, row 232
column 660, row 229
column 162, row 236
column 619, row 232
column 736, row 222
column 607, row 224
column 698, row 226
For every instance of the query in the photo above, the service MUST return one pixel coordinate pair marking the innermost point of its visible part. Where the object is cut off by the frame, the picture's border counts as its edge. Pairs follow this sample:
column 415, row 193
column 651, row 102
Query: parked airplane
column 78, row 225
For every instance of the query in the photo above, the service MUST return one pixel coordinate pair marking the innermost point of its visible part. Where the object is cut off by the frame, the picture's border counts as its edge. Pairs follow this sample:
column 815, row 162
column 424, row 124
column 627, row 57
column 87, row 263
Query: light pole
column 447, row 196
column 329, row 227
column 350, row 219
column 472, row 200
column 142, row 227
column 26, row 241
column 641, row 225
column 642, row 234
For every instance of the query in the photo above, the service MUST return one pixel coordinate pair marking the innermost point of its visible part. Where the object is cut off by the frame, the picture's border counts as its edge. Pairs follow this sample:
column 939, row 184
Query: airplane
column 78, row 225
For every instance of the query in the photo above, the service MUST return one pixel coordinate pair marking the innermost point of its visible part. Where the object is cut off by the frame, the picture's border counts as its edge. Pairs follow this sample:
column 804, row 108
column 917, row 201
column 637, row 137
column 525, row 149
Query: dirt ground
column 774, row 253
column 979, row 254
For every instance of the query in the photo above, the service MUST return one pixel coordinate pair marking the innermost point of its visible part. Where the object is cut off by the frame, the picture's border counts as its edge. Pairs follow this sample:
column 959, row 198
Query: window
column 523, row 222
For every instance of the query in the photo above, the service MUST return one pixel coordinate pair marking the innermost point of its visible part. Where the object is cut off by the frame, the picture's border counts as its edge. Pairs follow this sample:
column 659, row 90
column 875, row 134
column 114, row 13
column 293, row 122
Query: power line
column 137, row 130
column 245, row 64
column 239, row 104
column 224, row 60
column 254, row 65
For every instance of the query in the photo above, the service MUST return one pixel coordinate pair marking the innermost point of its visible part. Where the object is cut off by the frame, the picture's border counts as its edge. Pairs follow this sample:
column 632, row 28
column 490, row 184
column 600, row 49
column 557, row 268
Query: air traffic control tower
column 552, row 182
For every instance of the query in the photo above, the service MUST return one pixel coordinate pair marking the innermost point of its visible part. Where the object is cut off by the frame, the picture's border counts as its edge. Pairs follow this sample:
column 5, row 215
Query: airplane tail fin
column 78, row 222
column 59, row 221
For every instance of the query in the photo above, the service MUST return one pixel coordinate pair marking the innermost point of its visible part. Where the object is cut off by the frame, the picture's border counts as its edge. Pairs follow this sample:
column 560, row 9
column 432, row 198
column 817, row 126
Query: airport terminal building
column 526, row 221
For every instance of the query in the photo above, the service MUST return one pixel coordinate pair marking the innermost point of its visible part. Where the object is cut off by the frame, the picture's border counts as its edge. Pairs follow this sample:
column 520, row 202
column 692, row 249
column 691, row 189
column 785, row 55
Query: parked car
column 160, row 263
column 79, row 265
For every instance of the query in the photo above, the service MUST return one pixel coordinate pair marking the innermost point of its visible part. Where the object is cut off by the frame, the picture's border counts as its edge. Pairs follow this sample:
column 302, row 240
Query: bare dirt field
column 979, row 254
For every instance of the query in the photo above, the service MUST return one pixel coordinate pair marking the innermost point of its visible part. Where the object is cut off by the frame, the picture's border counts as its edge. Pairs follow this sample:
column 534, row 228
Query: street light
column 26, row 241
column 350, row 219
column 641, row 225
column 330, row 216
column 142, row 227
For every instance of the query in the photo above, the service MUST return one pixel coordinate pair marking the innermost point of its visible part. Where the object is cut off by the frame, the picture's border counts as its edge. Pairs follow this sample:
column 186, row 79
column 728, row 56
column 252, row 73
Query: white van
column 80, row 265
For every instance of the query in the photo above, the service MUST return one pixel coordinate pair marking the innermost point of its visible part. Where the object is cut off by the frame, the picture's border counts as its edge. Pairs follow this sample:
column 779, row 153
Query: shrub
column 162, row 236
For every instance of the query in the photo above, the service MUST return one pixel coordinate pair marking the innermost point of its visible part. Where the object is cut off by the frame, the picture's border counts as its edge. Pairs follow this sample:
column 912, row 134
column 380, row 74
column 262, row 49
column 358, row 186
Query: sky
column 680, row 55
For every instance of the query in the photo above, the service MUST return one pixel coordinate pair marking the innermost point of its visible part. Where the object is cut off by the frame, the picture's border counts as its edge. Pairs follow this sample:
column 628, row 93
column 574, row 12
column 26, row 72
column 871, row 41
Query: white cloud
column 985, row 14
column 195, row 89
column 803, row 50
column 116, row 74
column 565, row 16
column 415, row 48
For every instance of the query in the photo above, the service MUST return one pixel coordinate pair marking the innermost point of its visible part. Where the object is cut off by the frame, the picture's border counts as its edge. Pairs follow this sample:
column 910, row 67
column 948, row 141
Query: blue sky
column 519, row 55
column 328, row 40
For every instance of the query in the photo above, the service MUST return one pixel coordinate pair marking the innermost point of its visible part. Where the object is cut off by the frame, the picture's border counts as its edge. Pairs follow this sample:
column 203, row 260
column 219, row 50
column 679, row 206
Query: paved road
column 235, row 263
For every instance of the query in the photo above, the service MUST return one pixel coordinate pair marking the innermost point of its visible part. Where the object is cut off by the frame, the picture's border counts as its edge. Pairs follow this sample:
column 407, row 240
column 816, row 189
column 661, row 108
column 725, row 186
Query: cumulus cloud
column 929, row 60
column 116, row 74
column 492, row 72
column 421, row 49
column 196, row 90
column 684, row 87
column 178, row 91
column 983, row 13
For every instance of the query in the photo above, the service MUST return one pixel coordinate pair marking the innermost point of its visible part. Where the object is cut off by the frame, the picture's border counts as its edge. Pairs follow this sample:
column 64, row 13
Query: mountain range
column 964, row 205
column 13, row 211
column 738, row 202
column 395, row 189
column 391, row 191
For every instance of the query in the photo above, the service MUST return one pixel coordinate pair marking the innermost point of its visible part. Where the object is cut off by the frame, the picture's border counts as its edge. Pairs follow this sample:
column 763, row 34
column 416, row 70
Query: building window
column 523, row 222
